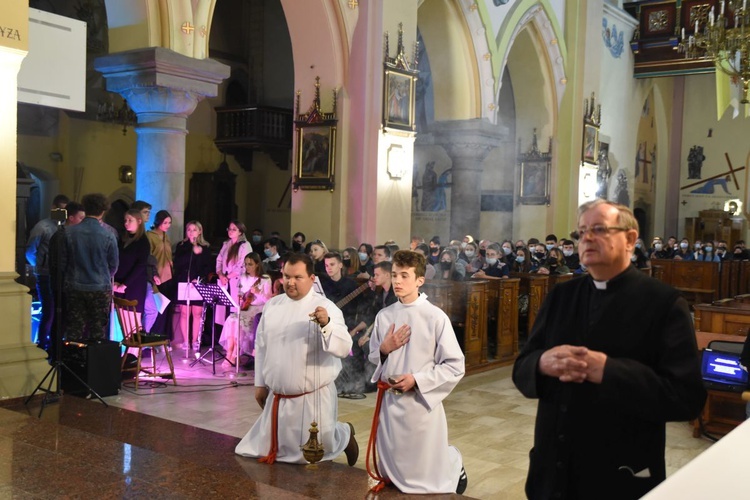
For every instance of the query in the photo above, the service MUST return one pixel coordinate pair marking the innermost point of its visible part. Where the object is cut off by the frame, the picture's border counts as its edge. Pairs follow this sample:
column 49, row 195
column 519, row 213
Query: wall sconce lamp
column 397, row 162
column 127, row 175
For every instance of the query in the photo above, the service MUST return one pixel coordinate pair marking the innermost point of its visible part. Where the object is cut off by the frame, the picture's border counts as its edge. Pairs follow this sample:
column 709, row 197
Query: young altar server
column 419, row 362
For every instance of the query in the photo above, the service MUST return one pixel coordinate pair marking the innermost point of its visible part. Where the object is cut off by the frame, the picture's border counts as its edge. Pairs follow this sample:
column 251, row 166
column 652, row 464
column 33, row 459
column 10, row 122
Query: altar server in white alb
column 297, row 329
column 419, row 362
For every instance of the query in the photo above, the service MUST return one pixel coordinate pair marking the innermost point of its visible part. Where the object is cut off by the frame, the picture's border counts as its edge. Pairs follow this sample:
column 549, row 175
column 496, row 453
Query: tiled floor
column 91, row 451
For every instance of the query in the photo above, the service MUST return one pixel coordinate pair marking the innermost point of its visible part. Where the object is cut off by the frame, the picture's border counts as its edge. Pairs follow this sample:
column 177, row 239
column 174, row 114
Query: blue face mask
column 520, row 259
column 549, row 247
column 362, row 256
column 268, row 252
column 256, row 238
column 507, row 250
column 708, row 249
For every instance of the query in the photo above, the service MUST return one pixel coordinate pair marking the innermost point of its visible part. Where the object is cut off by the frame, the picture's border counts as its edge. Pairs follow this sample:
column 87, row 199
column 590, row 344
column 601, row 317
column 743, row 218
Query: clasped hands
column 570, row 363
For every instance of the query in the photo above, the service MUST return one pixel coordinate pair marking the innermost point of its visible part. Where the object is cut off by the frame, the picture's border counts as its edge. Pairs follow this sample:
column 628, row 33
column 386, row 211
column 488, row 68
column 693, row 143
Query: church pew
column 698, row 281
column 469, row 308
column 730, row 318
column 554, row 279
column 535, row 286
column 502, row 316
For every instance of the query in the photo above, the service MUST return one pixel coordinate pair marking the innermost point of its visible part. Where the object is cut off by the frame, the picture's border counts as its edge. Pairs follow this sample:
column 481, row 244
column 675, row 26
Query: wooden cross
column 645, row 163
column 187, row 28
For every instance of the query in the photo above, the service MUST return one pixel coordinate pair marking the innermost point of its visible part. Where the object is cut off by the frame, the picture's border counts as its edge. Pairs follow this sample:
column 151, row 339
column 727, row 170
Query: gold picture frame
column 590, row 150
column 315, row 165
column 399, row 99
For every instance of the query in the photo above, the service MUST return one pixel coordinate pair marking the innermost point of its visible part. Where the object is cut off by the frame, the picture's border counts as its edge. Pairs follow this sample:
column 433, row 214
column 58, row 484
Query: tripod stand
column 56, row 370
column 214, row 295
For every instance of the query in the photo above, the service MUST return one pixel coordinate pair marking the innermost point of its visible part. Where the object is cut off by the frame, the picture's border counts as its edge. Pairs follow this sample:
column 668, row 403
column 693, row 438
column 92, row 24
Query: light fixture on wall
column 126, row 174
column 122, row 115
column 724, row 38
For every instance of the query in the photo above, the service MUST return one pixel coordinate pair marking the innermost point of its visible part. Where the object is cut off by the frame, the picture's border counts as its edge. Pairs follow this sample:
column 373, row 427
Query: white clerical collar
column 600, row 285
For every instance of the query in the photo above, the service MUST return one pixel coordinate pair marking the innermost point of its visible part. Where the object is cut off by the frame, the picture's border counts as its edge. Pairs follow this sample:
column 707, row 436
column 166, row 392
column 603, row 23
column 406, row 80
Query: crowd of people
column 358, row 315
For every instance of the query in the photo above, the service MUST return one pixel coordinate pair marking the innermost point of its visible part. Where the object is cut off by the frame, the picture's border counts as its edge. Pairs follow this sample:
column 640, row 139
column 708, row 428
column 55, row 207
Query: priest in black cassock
column 612, row 357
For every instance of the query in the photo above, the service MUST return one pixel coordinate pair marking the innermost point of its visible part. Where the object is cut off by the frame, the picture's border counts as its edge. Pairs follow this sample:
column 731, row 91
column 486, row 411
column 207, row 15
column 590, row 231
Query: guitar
column 356, row 293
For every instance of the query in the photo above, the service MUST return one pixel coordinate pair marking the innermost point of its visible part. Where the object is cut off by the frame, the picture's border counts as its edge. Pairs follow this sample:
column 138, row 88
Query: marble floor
column 488, row 420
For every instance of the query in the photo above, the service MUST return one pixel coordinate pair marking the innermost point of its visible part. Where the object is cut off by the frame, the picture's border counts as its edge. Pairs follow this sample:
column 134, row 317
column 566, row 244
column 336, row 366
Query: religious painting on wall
column 534, row 175
column 398, row 106
column 399, row 84
column 316, row 145
column 590, row 144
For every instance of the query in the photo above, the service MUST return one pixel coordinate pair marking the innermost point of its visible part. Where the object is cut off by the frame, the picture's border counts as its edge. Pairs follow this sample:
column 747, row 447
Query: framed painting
column 398, row 99
column 590, row 144
column 316, row 146
column 535, row 182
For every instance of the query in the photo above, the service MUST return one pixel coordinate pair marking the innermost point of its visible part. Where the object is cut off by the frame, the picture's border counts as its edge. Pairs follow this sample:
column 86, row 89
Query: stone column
column 467, row 142
column 163, row 88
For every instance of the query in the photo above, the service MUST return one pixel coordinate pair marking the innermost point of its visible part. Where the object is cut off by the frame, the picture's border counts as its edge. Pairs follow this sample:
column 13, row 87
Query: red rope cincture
column 372, row 453
column 271, row 457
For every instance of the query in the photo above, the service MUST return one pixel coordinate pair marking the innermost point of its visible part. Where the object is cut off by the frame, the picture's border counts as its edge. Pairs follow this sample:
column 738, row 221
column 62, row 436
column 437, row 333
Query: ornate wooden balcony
column 241, row 130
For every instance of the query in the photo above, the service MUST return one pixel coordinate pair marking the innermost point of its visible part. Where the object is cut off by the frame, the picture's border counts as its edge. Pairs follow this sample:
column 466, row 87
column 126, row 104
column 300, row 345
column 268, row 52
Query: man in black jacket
column 612, row 357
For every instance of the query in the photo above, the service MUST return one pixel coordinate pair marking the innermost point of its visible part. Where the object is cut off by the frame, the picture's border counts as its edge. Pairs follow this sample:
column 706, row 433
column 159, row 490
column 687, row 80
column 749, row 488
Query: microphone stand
column 189, row 311
column 56, row 370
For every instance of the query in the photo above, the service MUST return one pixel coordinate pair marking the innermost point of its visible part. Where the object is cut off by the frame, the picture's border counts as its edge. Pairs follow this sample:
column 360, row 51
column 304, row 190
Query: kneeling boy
column 419, row 362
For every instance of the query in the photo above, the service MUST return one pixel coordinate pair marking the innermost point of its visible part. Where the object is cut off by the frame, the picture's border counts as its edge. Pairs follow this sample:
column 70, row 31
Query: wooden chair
column 134, row 337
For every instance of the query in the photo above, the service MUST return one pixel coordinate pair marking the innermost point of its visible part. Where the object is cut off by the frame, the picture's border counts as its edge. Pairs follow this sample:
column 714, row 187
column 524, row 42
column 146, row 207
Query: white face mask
column 491, row 261
column 633, row 258
column 507, row 250
column 469, row 253
column 683, row 245
column 567, row 253
column 463, row 244
column 657, row 247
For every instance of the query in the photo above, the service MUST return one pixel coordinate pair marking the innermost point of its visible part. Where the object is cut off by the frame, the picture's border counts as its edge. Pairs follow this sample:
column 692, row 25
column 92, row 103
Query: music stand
column 188, row 293
column 213, row 295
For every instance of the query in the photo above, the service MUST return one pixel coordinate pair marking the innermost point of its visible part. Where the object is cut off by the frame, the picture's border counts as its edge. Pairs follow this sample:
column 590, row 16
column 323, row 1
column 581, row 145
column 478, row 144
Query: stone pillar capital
column 163, row 68
column 467, row 142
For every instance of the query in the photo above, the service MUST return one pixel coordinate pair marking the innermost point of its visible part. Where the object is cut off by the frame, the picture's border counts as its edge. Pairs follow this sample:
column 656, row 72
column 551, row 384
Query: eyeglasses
column 597, row 230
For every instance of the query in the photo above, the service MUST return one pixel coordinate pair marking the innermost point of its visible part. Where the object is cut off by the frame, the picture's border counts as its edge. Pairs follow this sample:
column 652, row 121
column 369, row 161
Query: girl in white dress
column 253, row 291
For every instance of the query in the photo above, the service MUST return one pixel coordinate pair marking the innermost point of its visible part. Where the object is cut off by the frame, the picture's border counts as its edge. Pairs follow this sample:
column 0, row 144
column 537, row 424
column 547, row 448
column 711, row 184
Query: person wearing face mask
column 739, row 253
column 722, row 252
column 449, row 267
column 434, row 256
column 272, row 249
column 256, row 237
column 550, row 242
column 522, row 262
column 430, row 270
column 572, row 260
column 639, row 258
column 539, row 257
column 495, row 267
column 366, row 265
column 684, row 252
column 350, row 260
column 555, row 263
column 471, row 257
column 708, row 254
column 657, row 249
column 508, row 254
column 298, row 242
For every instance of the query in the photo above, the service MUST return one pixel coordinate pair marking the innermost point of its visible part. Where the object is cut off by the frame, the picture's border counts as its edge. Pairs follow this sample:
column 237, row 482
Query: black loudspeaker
column 96, row 362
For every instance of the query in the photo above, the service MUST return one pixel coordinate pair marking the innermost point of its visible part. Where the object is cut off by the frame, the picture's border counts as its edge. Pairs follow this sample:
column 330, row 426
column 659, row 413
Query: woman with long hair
column 230, row 261
column 192, row 262
column 366, row 265
column 318, row 251
column 351, row 261
column 253, row 291
column 522, row 264
column 449, row 267
column 131, row 276
column 161, row 250
column 555, row 263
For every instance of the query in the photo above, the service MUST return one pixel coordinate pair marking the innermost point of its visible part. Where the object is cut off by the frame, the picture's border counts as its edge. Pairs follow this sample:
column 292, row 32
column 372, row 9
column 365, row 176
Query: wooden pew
column 723, row 410
column 535, row 286
column 502, row 315
column 698, row 281
column 732, row 318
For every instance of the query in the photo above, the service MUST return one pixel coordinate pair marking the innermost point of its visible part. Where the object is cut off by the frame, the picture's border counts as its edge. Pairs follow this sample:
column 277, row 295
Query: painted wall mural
column 613, row 38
